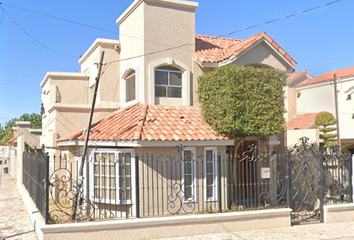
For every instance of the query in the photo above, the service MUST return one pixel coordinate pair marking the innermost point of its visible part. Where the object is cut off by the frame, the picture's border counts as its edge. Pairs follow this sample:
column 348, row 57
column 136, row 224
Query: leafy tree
column 326, row 119
column 238, row 102
column 6, row 132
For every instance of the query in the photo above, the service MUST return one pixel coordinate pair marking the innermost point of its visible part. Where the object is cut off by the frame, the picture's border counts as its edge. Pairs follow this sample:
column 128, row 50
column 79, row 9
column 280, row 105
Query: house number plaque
column 265, row 172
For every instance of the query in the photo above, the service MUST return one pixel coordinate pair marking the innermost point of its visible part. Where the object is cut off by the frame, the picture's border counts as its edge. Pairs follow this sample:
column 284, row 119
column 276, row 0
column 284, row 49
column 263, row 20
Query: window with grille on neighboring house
column 210, row 170
column 168, row 82
column 189, row 174
column 111, row 180
column 130, row 87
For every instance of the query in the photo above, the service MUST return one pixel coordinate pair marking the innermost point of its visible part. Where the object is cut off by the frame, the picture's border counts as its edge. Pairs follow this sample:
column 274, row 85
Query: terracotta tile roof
column 216, row 49
column 150, row 123
column 11, row 141
column 303, row 121
column 328, row 77
column 295, row 75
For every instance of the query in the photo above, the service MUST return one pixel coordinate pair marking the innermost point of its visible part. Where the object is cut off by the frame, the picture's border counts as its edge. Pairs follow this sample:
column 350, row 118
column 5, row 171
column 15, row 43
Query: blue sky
column 320, row 40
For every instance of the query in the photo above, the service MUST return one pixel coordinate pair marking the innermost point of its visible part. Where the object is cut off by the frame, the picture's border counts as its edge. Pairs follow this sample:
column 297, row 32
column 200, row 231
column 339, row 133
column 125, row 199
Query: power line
column 34, row 39
column 83, row 24
column 282, row 18
column 59, row 18
column 236, row 31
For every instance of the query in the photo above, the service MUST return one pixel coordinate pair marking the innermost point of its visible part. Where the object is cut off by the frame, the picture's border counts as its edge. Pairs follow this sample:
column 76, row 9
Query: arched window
column 168, row 82
column 130, row 87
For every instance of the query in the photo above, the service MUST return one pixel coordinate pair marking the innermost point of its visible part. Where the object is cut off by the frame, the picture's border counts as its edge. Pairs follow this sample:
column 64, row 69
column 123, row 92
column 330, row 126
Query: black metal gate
column 317, row 179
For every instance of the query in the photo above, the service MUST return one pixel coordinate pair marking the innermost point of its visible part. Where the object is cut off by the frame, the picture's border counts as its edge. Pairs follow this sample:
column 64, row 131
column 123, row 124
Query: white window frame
column 215, row 175
column 194, row 175
column 123, row 87
column 186, row 79
column 169, row 85
column 127, row 78
column 117, row 199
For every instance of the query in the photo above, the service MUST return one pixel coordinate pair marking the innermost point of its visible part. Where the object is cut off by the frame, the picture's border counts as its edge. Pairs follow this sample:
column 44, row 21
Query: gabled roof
column 296, row 74
column 297, row 78
column 329, row 76
column 303, row 121
column 142, row 122
column 216, row 49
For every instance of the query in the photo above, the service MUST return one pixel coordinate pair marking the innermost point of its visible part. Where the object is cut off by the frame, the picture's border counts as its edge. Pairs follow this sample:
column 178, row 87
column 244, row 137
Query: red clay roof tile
column 329, row 76
column 216, row 49
column 303, row 121
column 150, row 123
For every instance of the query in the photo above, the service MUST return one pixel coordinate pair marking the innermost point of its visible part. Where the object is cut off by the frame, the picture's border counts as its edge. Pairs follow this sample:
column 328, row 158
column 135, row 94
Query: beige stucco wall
column 197, row 71
column 65, row 119
column 70, row 111
column 72, row 88
column 174, row 27
column 108, row 92
column 264, row 55
column 153, row 27
column 161, row 182
column 291, row 103
column 131, row 35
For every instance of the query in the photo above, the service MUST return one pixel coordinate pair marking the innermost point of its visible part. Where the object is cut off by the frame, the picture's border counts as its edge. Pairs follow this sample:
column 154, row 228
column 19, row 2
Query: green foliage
column 35, row 119
column 328, row 144
column 6, row 133
column 327, row 129
column 325, row 119
column 243, row 101
column 6, row 138
column 328, row 135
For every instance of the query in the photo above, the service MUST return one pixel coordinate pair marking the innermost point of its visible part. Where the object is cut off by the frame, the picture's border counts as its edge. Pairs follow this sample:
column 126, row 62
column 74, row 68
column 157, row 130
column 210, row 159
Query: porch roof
column 328, row 77
column 216, row 49
column 303, row 121
column 141, row 122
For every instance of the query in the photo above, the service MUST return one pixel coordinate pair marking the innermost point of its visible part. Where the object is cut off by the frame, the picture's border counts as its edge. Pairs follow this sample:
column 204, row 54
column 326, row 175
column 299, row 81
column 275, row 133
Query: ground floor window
column 210, row 170
column 189, row 174
column 111, row 176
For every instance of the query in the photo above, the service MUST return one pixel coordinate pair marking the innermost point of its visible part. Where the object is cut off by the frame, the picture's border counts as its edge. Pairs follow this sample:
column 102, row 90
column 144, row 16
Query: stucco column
column 20, row 150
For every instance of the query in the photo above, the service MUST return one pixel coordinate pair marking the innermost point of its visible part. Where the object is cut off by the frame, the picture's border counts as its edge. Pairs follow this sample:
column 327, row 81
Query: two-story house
column 150, row 76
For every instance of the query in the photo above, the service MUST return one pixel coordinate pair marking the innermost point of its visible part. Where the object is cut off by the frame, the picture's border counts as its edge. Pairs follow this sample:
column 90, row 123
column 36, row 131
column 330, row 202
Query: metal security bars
column 317, row 179
column 35, row 167
column 122, row 184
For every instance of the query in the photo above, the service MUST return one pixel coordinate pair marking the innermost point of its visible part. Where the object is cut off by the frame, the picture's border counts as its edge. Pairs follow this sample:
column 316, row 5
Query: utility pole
column 336, row 108
column 81, row 171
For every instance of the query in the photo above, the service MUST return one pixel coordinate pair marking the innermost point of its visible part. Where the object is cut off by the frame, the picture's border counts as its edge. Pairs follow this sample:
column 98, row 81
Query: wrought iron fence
column 317, row 179
column 34, row 178
column 118, row 185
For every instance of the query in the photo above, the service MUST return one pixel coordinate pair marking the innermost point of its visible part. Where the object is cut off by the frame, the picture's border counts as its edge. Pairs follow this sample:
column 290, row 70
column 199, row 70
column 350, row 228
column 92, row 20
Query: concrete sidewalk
column 342, row 231
column 14, row 219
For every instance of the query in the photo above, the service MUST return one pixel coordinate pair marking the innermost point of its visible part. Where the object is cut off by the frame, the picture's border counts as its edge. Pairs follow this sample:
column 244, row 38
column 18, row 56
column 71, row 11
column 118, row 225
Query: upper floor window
column 168, row 82
column 130, row 87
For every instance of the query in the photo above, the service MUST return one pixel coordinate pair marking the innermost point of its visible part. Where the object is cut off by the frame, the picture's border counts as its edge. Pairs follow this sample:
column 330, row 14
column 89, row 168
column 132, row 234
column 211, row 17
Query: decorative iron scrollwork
column 177, row 203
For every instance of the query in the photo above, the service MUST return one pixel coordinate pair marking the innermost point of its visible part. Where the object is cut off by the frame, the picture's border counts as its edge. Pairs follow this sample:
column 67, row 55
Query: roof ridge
column 334, row 71
column 215, row 37
column 328, row 77
column 141, row 122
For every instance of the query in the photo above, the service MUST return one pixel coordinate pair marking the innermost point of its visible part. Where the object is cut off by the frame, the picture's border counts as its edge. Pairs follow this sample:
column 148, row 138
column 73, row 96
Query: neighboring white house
column 314, row 95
